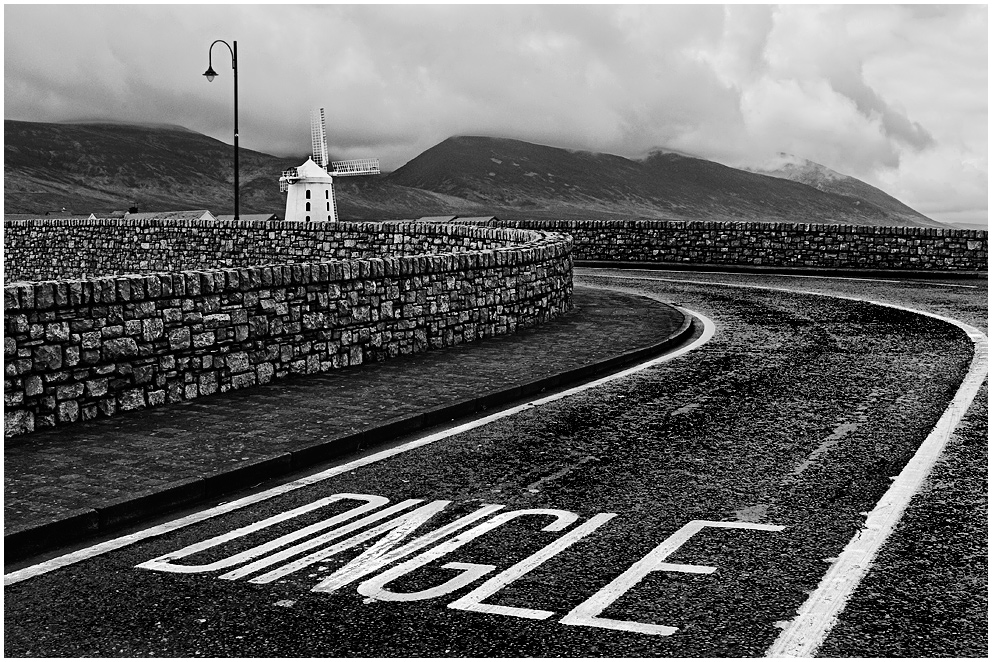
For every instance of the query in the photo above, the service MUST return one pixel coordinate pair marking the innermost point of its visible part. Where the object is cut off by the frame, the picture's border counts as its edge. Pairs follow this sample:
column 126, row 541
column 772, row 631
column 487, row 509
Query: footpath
column 63, row 486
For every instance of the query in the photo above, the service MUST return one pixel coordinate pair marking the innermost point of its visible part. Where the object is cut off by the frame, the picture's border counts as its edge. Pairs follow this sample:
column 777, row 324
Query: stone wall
column 85, row 348
column 782, row 245
column 47, row 249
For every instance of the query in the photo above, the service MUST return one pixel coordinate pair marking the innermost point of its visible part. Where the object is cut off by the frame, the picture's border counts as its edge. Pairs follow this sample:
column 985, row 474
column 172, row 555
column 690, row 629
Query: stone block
column 91, row 339
column 44, row 296
column 96, row 387
column 68, row 412
column 143, row 309
column 57, row 331
column 258, row 326
column 89, row 356
column 47, row 357
column 69, row 391
column 238, row 362
column 71, row 355
column 264, row 371
column 201, row 340
column 119, row 348
column 12, row 397
column 16, row 324
column 207, row 383
column 132, row 399
column 243, row 380
column 179, row 338
column 152, row 329
column 143, row 374
column 107, row 406
column 216, row 320
column 154, row 285
column 18, row 421
column 33, row 385
column 123, row 290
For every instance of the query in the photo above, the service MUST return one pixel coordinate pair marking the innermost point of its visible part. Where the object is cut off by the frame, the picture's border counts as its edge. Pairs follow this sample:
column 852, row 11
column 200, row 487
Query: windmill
column 309, row 188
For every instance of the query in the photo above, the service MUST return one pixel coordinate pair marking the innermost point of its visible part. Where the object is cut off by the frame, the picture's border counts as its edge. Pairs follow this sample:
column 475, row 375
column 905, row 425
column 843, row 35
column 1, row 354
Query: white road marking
column 165, row 563
column 472, row 601
column 376, row 587
column 380, row 554
column 583, row 270
column 71, row 558
column 817, row 616
column 588, row 612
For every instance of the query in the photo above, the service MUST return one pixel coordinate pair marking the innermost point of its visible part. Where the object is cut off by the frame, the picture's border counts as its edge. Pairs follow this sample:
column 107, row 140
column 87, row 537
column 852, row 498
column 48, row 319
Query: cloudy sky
column 894, row 95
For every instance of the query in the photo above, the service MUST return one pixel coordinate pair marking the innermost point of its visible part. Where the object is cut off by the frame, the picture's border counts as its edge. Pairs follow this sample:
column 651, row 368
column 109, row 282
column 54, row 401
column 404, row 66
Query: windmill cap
column 311, row 170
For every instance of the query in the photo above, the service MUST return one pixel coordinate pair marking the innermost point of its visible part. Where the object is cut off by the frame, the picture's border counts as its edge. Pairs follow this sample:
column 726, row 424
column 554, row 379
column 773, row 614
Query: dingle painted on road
column 273, row 559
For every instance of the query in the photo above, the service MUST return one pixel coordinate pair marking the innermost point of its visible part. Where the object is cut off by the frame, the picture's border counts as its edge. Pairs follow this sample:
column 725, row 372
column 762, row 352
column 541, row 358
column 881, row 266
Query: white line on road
column 709, row 329
column 818, row 615
column 583, row 270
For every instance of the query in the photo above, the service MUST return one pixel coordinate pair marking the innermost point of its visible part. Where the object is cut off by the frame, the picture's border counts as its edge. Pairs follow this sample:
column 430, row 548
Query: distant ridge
column 147, row 125
column 824, row 179
column 95, row 166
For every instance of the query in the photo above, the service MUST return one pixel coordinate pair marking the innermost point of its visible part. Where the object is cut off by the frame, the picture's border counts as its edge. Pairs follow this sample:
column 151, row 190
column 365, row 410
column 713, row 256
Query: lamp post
column 211, row 74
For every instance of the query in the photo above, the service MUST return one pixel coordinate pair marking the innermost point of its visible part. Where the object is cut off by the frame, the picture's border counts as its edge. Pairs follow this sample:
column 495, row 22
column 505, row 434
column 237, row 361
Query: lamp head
column 210, row 73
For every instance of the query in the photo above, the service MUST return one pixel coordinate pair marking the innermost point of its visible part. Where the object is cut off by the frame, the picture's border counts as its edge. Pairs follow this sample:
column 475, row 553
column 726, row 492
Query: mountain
column 514, row 179
column 820, row 177
column 100, row 167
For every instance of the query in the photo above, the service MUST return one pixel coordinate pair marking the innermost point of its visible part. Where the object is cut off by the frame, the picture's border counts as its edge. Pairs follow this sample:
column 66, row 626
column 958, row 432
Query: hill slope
column 823, row 178
column 102, row 167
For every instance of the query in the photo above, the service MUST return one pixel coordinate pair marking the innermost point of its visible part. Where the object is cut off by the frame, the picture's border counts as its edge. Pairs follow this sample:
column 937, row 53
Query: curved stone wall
column 48, row 249
column 77, row 349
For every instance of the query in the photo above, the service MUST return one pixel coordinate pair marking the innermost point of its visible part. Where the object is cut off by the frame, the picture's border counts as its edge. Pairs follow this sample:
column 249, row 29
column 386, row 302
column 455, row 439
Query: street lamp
column 211, row 74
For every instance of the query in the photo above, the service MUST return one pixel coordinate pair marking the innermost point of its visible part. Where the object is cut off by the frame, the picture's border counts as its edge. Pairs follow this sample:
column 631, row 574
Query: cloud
column 871, row 91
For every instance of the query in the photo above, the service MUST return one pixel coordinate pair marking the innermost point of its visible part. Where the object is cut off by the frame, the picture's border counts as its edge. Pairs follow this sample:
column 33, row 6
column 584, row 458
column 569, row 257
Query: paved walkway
column 84, row 479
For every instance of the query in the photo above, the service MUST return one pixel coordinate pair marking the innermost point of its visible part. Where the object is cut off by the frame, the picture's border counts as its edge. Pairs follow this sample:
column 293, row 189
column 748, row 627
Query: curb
column 80, row 525
column 758, row 269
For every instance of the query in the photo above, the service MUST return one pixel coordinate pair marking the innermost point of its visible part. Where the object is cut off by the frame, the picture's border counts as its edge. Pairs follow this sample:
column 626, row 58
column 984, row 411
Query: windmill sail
column 355, row 167
column 318, row 137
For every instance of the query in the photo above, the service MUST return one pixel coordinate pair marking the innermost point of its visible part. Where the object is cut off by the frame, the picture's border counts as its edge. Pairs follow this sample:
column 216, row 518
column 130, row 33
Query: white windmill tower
column 310, row 187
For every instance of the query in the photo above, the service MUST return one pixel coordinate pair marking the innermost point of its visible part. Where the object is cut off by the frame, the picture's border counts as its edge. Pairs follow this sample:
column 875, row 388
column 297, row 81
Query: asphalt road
column 688, row 509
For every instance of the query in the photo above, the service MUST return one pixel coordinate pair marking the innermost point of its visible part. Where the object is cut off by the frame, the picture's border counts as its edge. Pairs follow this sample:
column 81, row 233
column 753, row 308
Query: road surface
column 691, row 508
